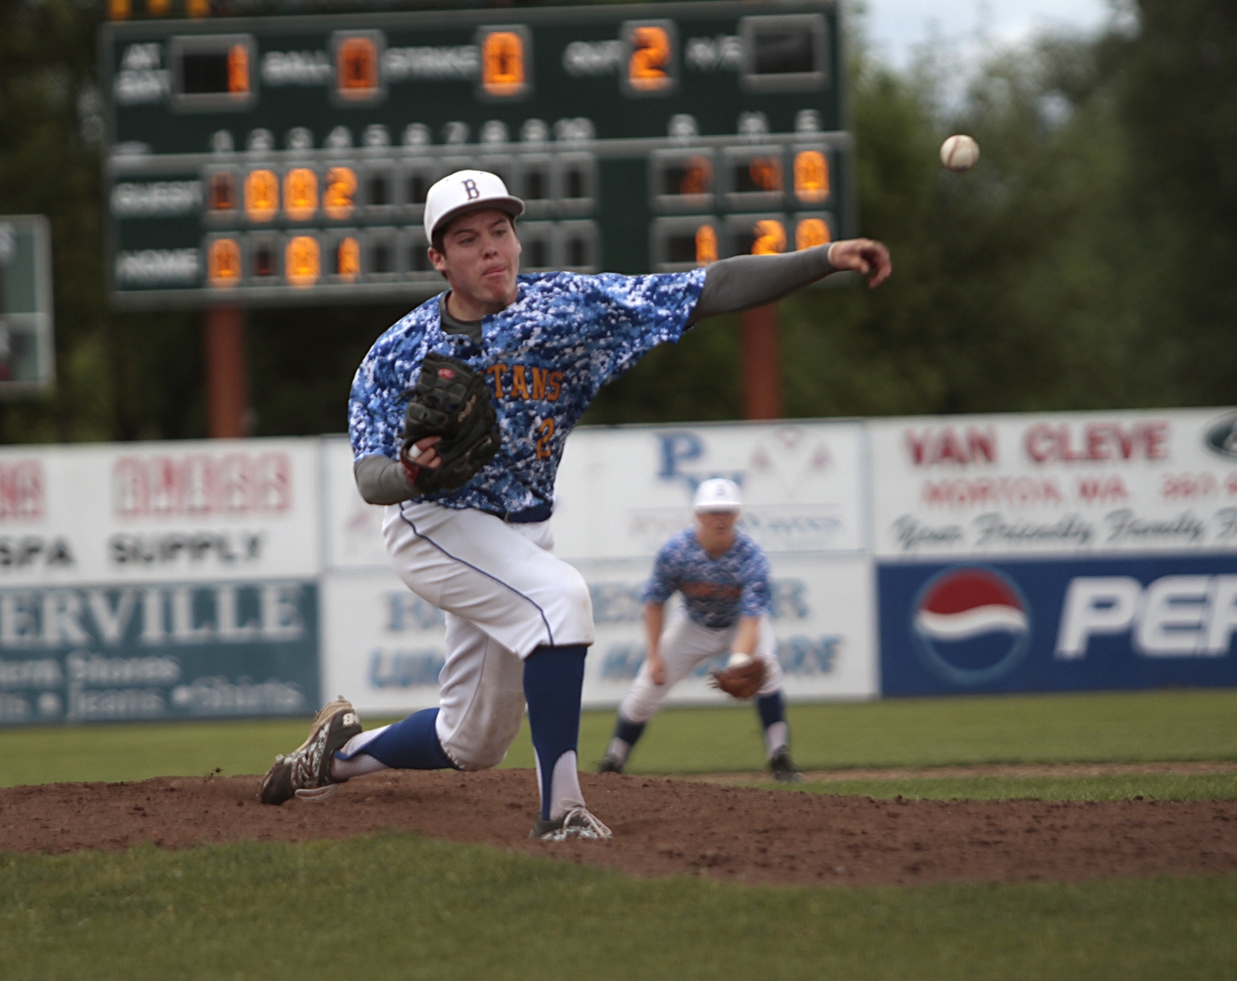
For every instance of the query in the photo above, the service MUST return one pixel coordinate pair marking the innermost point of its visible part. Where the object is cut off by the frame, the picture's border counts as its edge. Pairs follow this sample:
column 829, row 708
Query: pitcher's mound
column 661, row 827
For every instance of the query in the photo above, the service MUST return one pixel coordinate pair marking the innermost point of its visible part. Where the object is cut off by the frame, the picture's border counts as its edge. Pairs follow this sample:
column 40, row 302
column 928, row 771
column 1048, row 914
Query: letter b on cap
column 470, row 188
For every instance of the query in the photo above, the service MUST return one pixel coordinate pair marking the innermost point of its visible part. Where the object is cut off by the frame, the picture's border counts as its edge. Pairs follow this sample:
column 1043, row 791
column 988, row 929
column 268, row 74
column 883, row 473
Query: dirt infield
column 661, row 827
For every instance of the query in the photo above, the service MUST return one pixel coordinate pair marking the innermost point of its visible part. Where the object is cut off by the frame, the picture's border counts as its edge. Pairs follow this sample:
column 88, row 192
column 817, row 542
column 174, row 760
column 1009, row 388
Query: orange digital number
column 706, row 245
column 197, row 8
column 261, row 195
column 811, row 176
column 119, row 9
column 340, row 197
column 697, row 176
column 302, row 260
column 238, row 69
column 770, row 237
column 766, row 173
column 158, row 8
column 811, row 232
column 546, row 429
column 348, row 259
column 300, row 193
column 502, row 63
column 356, row 68
column 223, row 263
column 222, row 192
column 650, row 59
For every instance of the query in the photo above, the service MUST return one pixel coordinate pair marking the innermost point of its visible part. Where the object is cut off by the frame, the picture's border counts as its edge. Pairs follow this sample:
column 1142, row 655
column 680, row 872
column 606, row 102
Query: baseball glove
column 450, row 400
column 740, row 680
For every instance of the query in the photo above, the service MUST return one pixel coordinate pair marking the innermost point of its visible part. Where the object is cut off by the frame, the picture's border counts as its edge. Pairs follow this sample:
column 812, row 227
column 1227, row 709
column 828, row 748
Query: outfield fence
column 929, row 555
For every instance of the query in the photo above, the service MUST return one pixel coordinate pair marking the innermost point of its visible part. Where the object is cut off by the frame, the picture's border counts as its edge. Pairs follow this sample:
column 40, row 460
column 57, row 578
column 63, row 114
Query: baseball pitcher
column 458, row 417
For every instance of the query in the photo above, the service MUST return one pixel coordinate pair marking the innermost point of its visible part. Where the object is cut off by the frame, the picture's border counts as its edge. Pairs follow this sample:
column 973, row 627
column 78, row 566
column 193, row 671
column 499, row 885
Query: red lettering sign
column 201, row 484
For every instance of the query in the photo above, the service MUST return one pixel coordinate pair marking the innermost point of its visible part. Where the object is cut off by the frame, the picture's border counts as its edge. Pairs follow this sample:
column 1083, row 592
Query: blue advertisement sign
column 158, row 651
column 1036, row 625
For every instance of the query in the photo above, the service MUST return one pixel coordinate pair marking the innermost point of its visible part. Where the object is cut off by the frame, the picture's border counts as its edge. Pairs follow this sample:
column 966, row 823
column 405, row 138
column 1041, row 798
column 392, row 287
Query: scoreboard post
column 27, row 342
column 283, row 160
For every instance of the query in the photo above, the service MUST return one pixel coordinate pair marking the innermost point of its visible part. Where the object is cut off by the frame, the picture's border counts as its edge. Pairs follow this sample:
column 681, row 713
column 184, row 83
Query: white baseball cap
column 465, row 190
column 717, row 494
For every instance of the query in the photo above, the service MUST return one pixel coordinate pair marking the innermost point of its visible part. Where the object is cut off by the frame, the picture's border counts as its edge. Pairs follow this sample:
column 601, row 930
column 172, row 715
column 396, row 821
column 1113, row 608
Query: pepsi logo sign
column 971, row 624
column 1221, row 437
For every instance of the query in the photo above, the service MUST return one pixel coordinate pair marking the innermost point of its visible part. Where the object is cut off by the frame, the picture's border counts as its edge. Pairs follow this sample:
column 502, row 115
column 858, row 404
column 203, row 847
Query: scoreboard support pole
column 762, row 377
column 226, row 377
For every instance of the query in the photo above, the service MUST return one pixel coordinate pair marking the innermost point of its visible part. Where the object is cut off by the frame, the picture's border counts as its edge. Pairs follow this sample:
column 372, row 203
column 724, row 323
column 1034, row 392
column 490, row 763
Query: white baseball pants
column 684, row 644
column 504, row 594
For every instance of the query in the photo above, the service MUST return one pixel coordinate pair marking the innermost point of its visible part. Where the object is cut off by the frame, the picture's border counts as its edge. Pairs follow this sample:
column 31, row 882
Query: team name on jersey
column 525, row 381
column 711, row 590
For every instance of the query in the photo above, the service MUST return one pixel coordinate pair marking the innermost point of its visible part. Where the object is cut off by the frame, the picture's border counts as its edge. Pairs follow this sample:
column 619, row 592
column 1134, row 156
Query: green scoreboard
column 286, row 159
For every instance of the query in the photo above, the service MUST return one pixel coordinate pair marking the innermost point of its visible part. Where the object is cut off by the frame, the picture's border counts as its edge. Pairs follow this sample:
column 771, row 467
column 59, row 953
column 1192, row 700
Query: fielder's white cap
column 463, row 191
column 717, row 494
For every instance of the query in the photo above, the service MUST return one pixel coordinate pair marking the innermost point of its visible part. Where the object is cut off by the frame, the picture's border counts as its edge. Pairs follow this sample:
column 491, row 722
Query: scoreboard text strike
column 280, row 159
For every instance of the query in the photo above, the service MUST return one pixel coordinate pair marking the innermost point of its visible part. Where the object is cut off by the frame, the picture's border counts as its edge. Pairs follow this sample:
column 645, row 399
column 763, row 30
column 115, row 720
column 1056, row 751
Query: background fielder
column 723, row 577
column 519, row 620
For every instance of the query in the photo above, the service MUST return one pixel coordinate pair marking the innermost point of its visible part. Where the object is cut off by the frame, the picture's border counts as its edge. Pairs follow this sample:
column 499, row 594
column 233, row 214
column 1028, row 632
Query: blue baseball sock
column 411, row 744
column 770, row 708
column 628, row 731
column 553, row 680
column 773, row 720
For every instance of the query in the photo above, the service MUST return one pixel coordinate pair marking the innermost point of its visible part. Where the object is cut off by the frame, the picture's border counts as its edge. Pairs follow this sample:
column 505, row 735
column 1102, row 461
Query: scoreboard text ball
column 284, row 159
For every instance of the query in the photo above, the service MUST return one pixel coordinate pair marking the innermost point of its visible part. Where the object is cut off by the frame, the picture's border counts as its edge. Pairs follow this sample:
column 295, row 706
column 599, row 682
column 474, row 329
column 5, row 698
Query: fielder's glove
column 742, row 679
column 451, row 400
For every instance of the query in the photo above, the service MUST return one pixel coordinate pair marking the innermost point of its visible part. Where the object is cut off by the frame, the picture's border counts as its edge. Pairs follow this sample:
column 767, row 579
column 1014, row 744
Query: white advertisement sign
column 385, row 645
column 1071, row 483
column 353, row 528
column 621, row 494
column 159, row 580
column 148, row 512
column 623, row 491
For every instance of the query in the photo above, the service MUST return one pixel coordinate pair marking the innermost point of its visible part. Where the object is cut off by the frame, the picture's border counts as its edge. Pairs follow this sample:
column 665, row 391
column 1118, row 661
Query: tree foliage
column 1084, row 263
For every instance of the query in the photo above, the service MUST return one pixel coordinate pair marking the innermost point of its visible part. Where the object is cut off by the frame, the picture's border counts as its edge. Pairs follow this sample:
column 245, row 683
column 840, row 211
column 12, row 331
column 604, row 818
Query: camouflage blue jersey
column 716, row 592
column 546, row 356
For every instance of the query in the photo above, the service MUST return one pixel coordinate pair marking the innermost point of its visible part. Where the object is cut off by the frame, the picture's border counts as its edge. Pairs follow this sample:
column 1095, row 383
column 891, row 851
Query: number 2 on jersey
column 546, row 429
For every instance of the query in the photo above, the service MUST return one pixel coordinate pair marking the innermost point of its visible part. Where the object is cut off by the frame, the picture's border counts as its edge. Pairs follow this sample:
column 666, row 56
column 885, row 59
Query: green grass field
column 397, row 906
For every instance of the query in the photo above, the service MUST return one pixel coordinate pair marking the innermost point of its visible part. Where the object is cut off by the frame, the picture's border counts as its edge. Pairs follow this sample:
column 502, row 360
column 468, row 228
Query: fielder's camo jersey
column 546, row 356
column 716, row 592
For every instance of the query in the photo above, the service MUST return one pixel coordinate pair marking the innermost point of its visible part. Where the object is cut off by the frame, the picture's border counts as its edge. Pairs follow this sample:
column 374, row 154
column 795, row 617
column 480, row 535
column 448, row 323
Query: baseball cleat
column 576, row 823
column 306, row 771
column 609, row 764
column 783, row 769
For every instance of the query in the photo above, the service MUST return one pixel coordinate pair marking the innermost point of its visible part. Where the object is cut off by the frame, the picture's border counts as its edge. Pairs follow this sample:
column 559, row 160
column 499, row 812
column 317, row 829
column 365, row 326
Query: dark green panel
column 715, row 88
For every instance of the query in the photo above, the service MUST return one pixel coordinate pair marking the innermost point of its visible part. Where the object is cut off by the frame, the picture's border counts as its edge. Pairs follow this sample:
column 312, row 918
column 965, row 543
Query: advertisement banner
column 1076, row 484
column 173, row 650
column 1058, row 625
column 822, row 616
column 621, row 493
column 151, row 512
column 353, row 528
column 385, row 645
column 159, row 580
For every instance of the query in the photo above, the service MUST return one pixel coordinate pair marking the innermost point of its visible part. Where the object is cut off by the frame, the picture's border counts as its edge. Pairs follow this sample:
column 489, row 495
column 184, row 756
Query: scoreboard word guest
column 270, row 160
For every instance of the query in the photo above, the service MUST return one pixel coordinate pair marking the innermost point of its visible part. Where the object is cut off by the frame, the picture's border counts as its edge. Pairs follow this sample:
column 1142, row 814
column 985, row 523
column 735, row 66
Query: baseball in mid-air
column 959, row 153
column 738, row 659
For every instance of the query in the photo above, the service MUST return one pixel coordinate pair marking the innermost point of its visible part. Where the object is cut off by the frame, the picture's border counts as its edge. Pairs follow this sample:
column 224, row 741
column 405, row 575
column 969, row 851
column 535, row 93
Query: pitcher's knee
column 475, row 758
column 573, row 608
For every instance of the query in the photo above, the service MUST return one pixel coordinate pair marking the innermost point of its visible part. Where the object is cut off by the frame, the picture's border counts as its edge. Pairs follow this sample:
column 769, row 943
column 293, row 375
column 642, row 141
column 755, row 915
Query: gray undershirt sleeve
column 745, row 281
column 381, row 480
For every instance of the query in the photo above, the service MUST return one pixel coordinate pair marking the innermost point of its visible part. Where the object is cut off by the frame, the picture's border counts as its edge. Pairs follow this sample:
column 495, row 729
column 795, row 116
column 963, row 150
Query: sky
column 895, row 27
